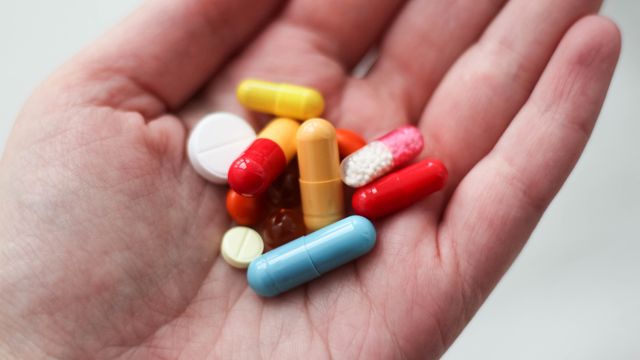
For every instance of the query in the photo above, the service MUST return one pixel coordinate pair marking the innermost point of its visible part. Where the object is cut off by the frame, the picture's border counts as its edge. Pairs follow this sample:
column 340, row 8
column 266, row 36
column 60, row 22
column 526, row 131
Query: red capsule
column 253, row 172
column 257, row 167
column 399, row 189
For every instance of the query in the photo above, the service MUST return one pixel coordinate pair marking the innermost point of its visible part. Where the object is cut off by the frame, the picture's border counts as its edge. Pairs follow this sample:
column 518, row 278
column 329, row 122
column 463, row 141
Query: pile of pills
column 296, row 209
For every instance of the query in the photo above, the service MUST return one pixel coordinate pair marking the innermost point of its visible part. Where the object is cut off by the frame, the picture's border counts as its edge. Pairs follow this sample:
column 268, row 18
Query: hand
column 110, row 242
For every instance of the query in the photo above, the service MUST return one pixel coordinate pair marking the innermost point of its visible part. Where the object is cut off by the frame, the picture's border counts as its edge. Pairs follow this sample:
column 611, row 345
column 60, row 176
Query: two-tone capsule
column 285, row 100
column 266, row 158
column 319, row 164
column 400, row 189
column 310, row 256
column 381, row 156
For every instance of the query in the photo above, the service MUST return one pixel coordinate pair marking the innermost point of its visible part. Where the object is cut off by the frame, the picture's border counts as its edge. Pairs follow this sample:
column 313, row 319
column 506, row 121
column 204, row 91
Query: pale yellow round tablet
column 240, row 245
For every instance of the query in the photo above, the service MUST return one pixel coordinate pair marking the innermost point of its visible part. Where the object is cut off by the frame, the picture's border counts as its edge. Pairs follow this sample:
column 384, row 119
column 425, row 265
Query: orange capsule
column 348, row 142
column 245, row 210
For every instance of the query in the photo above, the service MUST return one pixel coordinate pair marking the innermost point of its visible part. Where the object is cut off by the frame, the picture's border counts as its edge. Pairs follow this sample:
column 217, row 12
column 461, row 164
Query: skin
column 109, row 242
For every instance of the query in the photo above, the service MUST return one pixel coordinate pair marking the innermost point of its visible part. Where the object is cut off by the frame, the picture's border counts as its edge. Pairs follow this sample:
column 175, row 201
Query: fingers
column 344, row 30
column 313, row 43
column 163, row 52
column 499, row 202
column 489, row 84
column 422, row 43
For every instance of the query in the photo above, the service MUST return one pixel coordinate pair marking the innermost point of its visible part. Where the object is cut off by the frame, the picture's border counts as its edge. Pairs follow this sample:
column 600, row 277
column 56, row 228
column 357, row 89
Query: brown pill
column 245, row 210
column 282, row 226
column 348, row 142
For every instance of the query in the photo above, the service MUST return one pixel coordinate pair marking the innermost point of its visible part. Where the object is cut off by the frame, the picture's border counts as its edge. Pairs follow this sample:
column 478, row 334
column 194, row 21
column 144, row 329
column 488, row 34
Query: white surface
column 574, row 292
column 216, row 142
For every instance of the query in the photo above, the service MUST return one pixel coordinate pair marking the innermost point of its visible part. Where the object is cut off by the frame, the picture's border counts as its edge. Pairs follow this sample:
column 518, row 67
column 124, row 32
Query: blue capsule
column 310, row 256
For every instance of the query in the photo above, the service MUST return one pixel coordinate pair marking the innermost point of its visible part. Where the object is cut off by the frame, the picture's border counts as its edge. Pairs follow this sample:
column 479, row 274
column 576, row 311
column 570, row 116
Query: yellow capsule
column 320, row 183
column 284, row 100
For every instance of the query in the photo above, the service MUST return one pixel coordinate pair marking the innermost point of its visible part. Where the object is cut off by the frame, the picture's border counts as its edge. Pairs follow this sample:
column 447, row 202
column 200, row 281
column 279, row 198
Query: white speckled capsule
column 381, row 155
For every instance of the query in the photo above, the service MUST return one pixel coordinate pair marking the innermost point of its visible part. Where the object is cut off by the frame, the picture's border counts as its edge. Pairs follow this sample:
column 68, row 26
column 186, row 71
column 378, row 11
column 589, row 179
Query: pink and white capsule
column 381, row 155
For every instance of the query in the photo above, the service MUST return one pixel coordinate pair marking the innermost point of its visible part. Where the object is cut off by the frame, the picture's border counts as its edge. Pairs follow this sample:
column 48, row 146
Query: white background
column 574, row 293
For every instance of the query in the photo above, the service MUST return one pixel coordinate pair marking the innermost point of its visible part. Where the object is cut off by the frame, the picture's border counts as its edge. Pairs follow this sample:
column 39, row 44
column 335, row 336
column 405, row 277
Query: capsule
column 310, row 256
column 266, row 158
column 245, row 210
column 348, row 142
column 319, row 165
column 399, row 189
column 381, row 156
column 285, row 100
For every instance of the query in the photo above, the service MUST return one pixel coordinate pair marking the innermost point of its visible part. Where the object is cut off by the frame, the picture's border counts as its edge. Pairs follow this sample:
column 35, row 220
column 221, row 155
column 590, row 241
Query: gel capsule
column 399, row 189
column 245, row 210
column 282, row 226
column 308, row 257
column 284, row 100
column 380, row 156
column 319, row 164
column 265, row 159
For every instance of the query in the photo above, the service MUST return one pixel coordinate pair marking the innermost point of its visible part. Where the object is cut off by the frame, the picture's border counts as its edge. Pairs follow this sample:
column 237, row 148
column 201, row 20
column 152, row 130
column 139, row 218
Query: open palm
column 110, row 241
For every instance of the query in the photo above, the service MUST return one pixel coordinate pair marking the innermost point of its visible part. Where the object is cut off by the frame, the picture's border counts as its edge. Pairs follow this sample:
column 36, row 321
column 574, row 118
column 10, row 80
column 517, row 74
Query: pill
column 285, row 190
column 241, row 245
column 245, row 210
column 310, row 256
column 381, row 156
column 319, row 165
column 285, row 100
column 282, row 226
column 399, row 189
column 265, row 159
column 215, row 142
column 348, row 142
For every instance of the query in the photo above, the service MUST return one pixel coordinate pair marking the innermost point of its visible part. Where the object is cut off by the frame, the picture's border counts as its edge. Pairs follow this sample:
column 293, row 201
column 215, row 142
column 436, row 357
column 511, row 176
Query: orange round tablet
column 245, row 210
column 348, row 142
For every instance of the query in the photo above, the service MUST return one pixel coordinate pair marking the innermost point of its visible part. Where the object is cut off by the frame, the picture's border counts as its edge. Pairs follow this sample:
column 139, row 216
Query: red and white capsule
column 400, row 189
column 381, row 156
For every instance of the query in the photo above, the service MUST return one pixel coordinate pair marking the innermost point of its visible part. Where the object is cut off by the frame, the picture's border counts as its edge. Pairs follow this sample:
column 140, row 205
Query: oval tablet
column 240, row 245
column 216, row 141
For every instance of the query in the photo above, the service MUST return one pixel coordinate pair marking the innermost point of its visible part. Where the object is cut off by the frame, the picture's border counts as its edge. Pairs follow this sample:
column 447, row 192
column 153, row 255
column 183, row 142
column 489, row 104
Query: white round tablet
column 240, row 245
column 215, row 142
